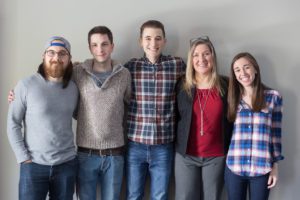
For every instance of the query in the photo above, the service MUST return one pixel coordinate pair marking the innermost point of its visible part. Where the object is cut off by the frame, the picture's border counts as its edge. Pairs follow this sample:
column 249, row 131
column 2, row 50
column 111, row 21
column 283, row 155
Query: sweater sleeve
column 128, row 89
column 15, row 118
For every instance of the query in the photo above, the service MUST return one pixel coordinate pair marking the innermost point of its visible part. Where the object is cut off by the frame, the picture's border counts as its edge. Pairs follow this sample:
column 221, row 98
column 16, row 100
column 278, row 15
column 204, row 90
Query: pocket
column 26, row 163
column 29, row 169
column 117, row 160
column 82, row 157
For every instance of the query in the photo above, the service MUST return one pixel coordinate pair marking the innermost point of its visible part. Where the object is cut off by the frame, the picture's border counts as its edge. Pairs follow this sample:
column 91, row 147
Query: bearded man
column 39, row 126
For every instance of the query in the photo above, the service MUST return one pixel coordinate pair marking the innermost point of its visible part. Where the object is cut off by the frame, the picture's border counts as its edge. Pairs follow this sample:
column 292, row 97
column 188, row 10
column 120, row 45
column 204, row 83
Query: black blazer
column 184, row 107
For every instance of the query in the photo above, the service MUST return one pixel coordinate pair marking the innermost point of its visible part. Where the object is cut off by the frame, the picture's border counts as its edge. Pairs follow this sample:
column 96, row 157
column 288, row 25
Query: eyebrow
column 58, row 51
column 149, row 36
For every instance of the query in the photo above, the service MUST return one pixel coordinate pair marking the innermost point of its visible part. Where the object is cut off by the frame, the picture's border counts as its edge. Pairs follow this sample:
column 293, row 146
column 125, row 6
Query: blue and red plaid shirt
column 151, row 114
column 256, row 139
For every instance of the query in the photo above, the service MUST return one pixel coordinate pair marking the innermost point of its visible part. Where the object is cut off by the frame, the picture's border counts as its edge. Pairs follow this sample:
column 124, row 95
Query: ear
column 112, row 46
column 140, row 42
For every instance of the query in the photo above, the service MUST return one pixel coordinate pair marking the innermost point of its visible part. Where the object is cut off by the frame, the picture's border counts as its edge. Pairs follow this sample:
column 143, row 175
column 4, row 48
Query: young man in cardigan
column 104, row 88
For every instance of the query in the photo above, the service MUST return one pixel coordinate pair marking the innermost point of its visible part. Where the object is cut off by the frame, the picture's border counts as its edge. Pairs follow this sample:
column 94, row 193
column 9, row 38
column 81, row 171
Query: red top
column 210, row 144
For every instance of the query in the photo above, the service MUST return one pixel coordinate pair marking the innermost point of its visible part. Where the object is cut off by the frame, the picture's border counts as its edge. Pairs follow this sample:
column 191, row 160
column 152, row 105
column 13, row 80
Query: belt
column 103, row 152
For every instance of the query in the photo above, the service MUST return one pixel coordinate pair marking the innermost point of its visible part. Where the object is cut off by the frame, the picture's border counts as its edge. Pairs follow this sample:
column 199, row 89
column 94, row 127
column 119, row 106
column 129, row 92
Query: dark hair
column 152, row 24
column 103, row 30
column 236, row 90
column 66, row 78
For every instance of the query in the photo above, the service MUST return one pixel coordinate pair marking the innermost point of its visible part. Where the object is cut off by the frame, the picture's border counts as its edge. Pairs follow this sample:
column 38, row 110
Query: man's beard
column 54, row 69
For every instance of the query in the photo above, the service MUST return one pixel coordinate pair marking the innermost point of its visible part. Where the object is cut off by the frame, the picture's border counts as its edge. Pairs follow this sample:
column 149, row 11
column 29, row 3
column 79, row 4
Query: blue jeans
column 237, row 186
column 36, row 181
column 157, row 160
column 106, row 170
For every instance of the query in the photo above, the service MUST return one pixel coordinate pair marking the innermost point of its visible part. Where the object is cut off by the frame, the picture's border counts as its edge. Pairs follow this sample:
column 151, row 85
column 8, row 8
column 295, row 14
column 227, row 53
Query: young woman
column 203, row 132
column 255, row 147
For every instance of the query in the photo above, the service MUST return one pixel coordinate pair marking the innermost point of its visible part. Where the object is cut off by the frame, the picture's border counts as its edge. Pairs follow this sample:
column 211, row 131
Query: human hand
column 273, row 176
column 27, row 161
column 75, row 63
column 11, row 96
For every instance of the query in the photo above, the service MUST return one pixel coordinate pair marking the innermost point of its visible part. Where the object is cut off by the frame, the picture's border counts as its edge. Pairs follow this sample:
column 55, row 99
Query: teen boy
column 151, row 115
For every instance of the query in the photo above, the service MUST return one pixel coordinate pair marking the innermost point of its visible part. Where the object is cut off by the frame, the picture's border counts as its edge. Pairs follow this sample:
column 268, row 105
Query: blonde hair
column 190, row 79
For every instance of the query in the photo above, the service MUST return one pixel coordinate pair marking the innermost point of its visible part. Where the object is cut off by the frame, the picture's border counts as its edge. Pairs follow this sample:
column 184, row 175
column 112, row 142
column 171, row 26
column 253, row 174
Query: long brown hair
column 190, row 79
column 236, row 90
column 67, row 76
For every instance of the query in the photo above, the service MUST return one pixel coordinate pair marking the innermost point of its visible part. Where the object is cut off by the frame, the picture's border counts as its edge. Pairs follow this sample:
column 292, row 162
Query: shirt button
column 248, row 161
column 249, row 126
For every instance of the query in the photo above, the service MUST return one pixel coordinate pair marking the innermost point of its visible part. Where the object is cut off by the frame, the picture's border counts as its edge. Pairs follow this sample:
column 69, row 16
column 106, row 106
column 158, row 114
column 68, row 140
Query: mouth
column 202, row 65
column 56, row 65
column 154, row 50
column 245, row 78
column 101, row 55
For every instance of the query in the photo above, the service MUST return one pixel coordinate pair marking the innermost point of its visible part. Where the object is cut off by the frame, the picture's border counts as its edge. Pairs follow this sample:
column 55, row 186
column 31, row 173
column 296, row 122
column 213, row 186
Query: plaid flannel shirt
column 256, row 139
column 151, row 114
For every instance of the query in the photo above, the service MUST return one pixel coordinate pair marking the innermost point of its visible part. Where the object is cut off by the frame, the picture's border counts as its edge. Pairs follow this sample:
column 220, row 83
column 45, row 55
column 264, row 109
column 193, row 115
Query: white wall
column 269, row 29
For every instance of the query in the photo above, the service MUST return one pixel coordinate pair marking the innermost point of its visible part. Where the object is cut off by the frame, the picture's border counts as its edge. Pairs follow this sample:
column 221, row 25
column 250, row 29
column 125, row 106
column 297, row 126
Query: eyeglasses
column 60, row 54
column 201, row 38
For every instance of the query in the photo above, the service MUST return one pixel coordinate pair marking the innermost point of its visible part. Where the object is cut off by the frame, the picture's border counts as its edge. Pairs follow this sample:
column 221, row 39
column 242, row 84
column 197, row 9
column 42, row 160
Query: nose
column 153, row 43
column 56, row 57
column 201, row 58
column 243, row 71
column 101, row 47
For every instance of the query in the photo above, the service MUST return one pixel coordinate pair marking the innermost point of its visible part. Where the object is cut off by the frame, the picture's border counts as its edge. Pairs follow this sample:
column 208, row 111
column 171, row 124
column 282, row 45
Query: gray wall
column 269, row 29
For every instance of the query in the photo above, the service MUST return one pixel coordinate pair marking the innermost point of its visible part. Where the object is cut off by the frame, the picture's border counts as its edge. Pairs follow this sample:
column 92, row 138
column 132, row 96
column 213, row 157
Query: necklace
column 202, row 110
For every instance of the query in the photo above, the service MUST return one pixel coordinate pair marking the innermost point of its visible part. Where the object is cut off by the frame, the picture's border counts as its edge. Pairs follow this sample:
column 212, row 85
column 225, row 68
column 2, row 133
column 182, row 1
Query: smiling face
column 101, row 47
column 244, row 72
column 56, row 60
column 202, row 60
column 152, row 42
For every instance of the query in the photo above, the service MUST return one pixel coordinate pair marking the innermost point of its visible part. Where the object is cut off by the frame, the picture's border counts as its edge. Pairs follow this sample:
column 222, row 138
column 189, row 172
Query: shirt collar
column 159, row 60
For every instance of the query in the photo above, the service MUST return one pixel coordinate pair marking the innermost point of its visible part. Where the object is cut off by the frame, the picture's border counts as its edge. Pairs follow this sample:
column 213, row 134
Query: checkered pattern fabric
column 151, row 114
column 256, row 139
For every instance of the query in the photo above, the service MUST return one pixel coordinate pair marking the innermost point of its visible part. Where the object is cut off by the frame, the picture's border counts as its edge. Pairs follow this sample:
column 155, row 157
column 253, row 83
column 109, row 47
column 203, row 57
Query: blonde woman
column 203, row 132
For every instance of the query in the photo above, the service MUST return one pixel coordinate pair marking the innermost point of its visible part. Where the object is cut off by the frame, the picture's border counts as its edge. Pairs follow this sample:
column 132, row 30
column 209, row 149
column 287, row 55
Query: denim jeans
column 237, row 186
column 105, row 170
column 157, row 160
column 36, row 181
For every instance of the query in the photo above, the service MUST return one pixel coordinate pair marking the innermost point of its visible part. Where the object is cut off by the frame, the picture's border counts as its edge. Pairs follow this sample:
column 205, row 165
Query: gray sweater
column 101, row 109
column 39, row 122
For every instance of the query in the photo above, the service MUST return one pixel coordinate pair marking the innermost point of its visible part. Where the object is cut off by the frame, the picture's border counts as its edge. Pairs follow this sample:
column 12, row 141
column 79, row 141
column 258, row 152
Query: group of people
column 144, row 117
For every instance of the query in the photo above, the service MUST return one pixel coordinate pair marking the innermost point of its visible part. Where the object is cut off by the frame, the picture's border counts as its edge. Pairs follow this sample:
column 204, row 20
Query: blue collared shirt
column 256, row 139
